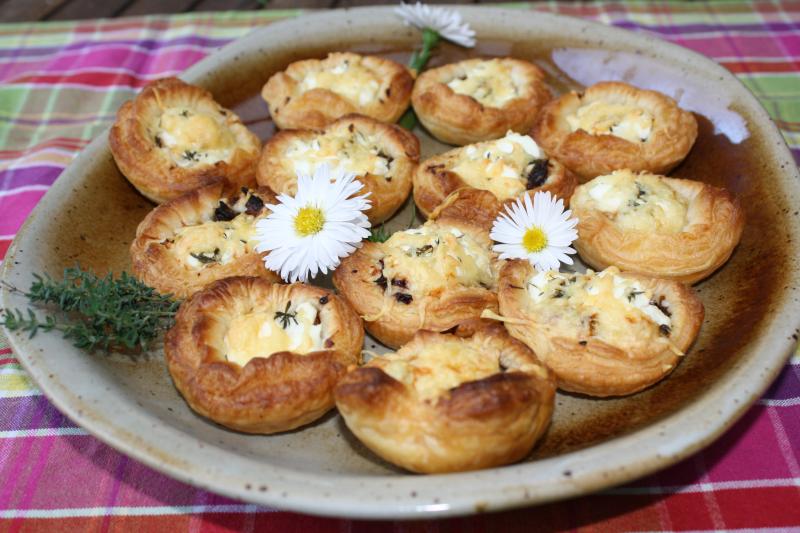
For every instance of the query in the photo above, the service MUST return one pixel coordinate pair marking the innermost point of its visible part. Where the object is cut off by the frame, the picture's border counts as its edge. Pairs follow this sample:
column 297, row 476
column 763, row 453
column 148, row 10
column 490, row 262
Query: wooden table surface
column 41, row 10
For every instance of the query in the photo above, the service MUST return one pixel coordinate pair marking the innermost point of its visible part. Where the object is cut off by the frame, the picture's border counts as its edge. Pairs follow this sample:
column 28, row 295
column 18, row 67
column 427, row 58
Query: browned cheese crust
column 482, row 400
column 161, row 254
column 388, row 152
column 671, row 135
column 312, row 93
column 595, row 349
column 691, row 250
column 207, row 142
column 269, row 394
column 438, row 177
column 461, row 118
column 401, row 289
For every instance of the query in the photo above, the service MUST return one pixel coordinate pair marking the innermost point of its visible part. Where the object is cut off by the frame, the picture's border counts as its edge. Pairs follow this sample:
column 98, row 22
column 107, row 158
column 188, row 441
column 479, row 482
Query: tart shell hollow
column 673, row 133
column 480, row 423
column 595, row 367
column 155, row 265
column 268, row 394
column 393, row 322
column 291, row 107
column 134, row 145
column 460, row 119
column 276, row 170
column 713, row 229
column 434, row 180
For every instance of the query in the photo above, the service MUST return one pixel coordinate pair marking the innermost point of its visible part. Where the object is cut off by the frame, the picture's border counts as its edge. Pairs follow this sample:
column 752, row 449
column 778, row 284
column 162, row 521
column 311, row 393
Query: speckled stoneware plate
column 752, row 303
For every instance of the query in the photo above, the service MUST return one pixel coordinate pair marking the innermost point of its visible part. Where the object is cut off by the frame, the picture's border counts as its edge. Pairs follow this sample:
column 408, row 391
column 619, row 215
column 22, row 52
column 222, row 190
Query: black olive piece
column 323, row 300
column 223, row 212
column 403, row 298
column 254, row 205
column 665, row 330
column 399, row 282
column 538, row 174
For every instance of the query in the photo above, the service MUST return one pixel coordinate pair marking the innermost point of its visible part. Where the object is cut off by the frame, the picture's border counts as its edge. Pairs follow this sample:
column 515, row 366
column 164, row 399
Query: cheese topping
column 489, row 82
column 432, row 257
column 347, row 78
column 191, row 137
column 357, row 153
column 638, row 202
column 603, row 305
column 500, row 167
column 440, row 366
column 263, row 333
column 626, row 121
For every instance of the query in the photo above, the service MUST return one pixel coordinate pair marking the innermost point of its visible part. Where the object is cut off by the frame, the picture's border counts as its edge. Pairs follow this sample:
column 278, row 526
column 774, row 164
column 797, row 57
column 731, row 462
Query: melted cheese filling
column 628, row 122
column 215, row 242
column 190, row 137
column 500, row 166
column 432, row 257
column 602, row 305
column 489, row 82
column 439, row 367
column 639, row 202
column 357, row 153
column 351, row 80
column 262, row 333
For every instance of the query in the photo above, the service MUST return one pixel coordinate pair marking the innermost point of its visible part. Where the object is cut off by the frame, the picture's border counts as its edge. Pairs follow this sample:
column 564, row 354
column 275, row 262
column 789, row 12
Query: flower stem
column 419, row 59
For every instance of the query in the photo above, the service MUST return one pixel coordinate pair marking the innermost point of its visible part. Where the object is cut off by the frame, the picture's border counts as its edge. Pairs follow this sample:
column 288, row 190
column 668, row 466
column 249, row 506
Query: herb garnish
column 190, row 155
column 378, row 234
column 207, row 257
column 121, row 314
column 285, row 317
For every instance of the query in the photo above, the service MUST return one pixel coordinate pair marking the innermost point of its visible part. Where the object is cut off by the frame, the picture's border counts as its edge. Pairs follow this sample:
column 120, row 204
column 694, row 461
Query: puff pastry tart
column 479, row 99
column 605, row 333
column 208, row 234
column 450, row 402
column 173, row 137
column 657, row 226
column 262, row 357
column 312, row 93
column 432, row 277
column 613, row 125
column 383, row 156
column 508, row 167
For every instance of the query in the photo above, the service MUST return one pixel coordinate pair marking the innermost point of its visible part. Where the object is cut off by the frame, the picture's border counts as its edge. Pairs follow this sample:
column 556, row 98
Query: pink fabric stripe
column 15, row 208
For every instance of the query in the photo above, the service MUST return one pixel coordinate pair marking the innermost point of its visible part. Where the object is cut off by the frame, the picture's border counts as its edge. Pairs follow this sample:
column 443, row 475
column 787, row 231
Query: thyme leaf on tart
column 285, row 317
column 108, row 313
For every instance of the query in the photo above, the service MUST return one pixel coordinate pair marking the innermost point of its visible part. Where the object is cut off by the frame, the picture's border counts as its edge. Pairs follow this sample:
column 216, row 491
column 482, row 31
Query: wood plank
column 27, row 10
column 156, row 7
column 360, row 3
column 226, row 5
column 88, row 9
column 301, row 4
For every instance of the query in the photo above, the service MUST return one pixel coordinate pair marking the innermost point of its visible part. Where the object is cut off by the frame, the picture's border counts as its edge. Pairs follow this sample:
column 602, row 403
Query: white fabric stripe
column 784, row 443
column 41, row 432
column 788, row 402
column 24, row 188
column 19, row 393
column 8, row 370
column 708, row 486
column 133, row 511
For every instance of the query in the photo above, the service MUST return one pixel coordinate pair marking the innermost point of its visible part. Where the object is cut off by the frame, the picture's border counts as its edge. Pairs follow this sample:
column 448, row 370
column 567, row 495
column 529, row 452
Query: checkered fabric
column 60, row 85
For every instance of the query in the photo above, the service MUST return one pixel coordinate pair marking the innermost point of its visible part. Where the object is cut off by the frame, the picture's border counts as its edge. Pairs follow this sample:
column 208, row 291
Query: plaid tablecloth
column 61, row 84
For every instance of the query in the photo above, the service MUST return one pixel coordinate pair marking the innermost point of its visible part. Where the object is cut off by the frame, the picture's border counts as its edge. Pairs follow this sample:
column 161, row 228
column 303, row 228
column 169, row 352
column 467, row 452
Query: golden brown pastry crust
column 388, row 192
column 672, row 136
column 291, row 107
column 267, row 395
column 144, row 159
column 714, row 225
column 461, row 119
column 480, row 423
column 434, row 180
column 153, row 260
column 393, row 319
column 584, row 362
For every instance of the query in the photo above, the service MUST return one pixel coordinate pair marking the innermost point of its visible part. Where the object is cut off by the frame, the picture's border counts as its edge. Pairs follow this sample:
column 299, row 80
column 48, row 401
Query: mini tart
column 479, row 99
column 383, row 156
column 450, row 402
column 432, row 277
column 261, row 357
column 312, row 93
column 602, row 333
column 208, row 234
column 656, row 226
column 614, row 125
column 508, row 168
column 173, row 137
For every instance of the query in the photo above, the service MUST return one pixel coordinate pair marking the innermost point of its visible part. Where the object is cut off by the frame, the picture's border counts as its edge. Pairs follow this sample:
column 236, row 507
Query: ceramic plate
column 91, row 213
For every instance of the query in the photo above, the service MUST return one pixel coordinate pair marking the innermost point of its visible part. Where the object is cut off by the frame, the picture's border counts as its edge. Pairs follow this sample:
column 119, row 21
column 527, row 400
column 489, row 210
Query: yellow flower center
column 309, row 221
column 534, row 240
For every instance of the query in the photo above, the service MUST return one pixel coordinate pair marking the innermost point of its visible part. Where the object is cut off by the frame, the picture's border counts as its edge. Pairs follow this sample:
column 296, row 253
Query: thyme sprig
column 285, row 317
column 378, row 234
column 108, row 313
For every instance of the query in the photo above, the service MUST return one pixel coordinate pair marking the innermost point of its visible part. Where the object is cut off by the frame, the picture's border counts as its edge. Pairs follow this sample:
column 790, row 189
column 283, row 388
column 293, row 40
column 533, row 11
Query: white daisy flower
column 539, row 231
column 313, row 231
column 446, row 22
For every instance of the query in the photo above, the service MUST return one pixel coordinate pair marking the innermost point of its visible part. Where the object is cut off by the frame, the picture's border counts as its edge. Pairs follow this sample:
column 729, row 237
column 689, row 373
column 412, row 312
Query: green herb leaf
column 378, row 234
